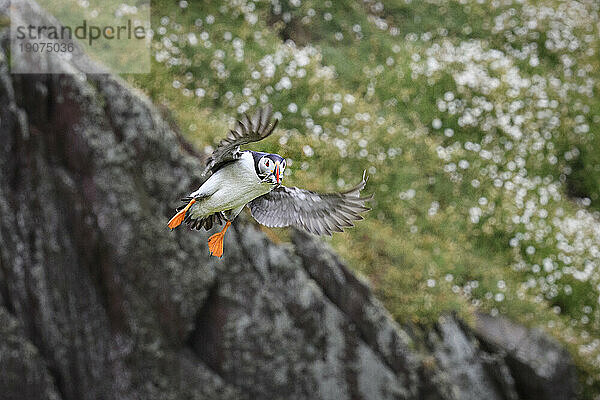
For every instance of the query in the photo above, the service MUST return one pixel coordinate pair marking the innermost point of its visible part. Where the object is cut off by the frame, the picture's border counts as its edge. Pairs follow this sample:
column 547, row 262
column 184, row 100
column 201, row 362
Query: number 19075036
column 48, row 47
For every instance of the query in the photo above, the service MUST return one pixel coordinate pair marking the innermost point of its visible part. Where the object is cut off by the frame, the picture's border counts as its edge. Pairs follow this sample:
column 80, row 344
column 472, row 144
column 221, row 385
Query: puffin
column 250, row 178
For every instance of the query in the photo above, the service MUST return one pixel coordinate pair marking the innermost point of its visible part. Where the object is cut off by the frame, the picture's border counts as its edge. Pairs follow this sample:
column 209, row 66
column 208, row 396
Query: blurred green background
column 87, row 24
column 477, row 122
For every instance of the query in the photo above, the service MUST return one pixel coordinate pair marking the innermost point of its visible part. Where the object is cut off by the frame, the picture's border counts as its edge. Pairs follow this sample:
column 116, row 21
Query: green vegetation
column 477, row 123
column 89, row 24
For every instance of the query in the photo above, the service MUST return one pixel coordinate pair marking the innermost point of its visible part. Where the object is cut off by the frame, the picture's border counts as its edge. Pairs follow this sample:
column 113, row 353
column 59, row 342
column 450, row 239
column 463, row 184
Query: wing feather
column 247, row 130
column 318, row 213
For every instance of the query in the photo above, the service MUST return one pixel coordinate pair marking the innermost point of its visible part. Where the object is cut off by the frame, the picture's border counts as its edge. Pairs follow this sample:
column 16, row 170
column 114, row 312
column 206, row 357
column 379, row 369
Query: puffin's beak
column 277, row 172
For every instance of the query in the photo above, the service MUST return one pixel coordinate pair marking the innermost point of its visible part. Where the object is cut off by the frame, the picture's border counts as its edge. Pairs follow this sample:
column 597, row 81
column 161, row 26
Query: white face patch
column 268, row 168
column 265, row 166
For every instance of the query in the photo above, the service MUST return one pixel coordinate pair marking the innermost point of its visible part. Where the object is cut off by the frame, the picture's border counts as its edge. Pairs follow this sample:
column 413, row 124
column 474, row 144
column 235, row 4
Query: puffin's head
column 270, row 168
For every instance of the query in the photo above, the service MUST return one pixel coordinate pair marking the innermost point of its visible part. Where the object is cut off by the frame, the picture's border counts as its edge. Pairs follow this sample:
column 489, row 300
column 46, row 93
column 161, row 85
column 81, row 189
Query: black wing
column 318, row 213
column 247, row 130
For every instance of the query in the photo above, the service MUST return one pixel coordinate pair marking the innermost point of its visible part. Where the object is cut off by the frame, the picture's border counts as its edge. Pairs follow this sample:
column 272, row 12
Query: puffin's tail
column 206, row 222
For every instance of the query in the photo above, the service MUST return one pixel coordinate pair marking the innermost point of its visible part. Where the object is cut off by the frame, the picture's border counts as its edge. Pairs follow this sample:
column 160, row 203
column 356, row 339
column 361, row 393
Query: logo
column 90, row 36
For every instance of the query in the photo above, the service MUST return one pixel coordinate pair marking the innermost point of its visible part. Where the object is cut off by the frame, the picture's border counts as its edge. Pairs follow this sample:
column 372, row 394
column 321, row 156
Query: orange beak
column 277, row 172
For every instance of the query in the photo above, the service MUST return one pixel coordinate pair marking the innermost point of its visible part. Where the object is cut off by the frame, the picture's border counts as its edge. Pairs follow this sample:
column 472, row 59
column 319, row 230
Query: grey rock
column 472, row 371
column 540, row 366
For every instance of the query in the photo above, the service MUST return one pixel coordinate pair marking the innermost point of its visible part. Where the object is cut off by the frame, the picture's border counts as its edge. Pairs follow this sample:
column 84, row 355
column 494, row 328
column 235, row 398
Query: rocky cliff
column 99, row 300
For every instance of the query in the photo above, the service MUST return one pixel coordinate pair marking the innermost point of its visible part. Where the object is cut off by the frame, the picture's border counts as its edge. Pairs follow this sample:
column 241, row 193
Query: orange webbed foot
column 215, row 242
column 180, row 216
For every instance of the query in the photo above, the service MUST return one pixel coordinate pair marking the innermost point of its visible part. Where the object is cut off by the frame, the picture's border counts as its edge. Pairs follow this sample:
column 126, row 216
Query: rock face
column 99, row 300
column 540, row 367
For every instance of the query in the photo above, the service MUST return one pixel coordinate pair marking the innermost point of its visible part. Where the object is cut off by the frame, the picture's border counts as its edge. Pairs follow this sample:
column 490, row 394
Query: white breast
column 231, row 187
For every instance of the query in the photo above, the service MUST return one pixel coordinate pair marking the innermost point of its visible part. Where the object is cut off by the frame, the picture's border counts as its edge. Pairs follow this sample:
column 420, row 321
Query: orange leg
column 215, row 242
column 179, row 217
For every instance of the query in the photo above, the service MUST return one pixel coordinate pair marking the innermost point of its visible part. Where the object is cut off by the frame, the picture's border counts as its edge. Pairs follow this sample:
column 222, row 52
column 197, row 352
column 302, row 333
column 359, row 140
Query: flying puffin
column 252, row 178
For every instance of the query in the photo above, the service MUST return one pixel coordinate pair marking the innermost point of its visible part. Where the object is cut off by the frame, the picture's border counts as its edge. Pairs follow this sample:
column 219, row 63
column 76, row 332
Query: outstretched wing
column 318, row 213
column 247, row 130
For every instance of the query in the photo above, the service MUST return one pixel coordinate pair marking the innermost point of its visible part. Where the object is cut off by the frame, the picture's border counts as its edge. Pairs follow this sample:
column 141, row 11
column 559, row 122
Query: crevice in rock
column 206, row 338
column 499, row 374
column 526, row 383
column 105, row 103
column 4, row 292
column 50, row 96
column 59, row 382
column 519, row 348
column 101, row 268
column 237, row 228
column 349, row 362
column 493, row 365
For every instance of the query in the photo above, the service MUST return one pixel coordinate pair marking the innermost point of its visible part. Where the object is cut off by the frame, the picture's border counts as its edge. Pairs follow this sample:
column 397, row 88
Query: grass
column 476, row 122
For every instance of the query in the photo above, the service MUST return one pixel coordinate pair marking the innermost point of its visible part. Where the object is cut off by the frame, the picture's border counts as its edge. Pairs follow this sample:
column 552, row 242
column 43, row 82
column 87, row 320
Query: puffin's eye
column 267, row 163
